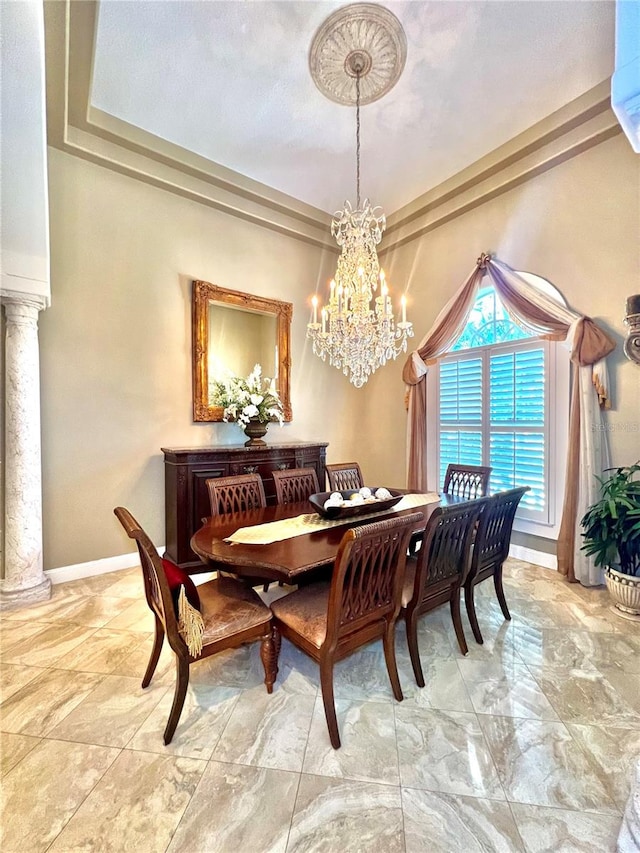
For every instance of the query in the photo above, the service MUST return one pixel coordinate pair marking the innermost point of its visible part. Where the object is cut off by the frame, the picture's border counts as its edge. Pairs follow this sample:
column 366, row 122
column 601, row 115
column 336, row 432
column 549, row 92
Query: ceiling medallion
column 364, row 40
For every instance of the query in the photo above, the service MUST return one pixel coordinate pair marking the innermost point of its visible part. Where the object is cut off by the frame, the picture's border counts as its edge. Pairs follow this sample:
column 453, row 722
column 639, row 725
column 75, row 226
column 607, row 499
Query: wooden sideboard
column 187, row 468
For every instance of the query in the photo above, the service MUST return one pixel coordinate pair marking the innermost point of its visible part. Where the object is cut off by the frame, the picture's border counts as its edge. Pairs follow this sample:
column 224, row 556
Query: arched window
column 488, row 323
column 498, row 405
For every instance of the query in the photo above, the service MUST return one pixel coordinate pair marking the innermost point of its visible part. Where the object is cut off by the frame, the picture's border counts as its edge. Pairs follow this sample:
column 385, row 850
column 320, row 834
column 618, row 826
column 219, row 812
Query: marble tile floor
column 525, row 744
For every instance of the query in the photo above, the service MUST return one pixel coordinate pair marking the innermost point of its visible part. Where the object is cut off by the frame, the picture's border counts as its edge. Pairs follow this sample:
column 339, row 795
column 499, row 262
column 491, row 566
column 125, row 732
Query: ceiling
column 230, row 81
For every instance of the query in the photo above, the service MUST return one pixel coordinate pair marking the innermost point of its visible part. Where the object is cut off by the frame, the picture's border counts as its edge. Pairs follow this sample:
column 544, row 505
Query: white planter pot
column 625, row 592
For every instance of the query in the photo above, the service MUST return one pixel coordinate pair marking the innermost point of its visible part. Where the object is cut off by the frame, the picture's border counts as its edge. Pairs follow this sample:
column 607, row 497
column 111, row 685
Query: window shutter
column 517, row 421
column 517, row 387
column 461, row 391
column 460, row 413
column 517, row 459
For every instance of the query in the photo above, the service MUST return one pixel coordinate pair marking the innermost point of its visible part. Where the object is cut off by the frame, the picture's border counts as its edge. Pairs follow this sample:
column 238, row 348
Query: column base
column 12, row 599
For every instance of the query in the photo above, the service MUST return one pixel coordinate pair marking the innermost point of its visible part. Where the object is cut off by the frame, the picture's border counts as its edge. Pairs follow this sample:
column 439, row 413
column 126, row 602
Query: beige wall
column 116, row 348
column 577, row 225
column 116, row 342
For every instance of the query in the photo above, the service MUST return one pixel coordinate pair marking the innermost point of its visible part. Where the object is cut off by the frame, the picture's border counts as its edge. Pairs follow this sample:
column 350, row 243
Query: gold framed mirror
column 231, row 332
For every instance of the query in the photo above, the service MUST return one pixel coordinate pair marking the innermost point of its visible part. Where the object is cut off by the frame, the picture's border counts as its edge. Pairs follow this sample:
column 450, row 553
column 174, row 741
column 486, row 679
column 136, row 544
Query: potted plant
column 612, row 537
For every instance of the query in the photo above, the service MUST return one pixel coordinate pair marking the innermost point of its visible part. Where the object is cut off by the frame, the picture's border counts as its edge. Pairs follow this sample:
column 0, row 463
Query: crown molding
column 579, row 125
column 74, row 126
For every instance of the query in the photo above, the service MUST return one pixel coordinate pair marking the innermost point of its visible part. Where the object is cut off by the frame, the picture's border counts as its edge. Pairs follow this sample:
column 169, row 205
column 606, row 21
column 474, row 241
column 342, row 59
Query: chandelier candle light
column 358, row 331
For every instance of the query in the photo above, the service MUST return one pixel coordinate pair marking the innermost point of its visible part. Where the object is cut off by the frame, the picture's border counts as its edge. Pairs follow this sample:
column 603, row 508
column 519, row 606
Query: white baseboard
column 95, row 567
column 128, row 561
column 538, row 558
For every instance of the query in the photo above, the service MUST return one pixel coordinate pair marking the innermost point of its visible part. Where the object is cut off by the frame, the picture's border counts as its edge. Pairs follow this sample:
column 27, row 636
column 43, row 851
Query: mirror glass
column 230, row 329
column 232, row 332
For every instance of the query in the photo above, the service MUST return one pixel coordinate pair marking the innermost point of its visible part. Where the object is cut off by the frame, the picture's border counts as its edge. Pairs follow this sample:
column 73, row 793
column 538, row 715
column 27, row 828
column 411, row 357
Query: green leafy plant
column 612, row 524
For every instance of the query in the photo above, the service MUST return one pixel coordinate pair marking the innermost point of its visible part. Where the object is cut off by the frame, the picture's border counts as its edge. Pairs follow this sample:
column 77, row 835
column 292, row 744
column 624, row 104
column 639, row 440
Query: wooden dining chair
column 437, row 574
column 360, row 603
column 344, row 476
column 467, row 481
column 236, row 494
column 490, row 550
column 295, row 485
column 230, row 614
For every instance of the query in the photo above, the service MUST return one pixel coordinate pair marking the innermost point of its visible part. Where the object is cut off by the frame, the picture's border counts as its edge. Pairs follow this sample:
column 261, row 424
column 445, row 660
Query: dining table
column 304, row 542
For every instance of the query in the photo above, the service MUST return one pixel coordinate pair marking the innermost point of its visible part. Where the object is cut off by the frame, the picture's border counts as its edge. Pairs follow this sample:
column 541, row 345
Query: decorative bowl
column 318, row 502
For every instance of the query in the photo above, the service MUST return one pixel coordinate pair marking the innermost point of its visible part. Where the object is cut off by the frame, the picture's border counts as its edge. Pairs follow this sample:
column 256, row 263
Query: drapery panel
column 589, row 345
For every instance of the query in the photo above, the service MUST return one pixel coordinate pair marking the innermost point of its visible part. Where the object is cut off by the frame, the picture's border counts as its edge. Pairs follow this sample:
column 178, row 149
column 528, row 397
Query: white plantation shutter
column 517, row 424
column 461, row 391
column 494, row 411
column 460, row 412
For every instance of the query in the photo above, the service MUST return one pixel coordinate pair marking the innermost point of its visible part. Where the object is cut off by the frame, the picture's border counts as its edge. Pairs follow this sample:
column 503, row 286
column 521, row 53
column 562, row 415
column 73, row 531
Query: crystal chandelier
column 357, row 330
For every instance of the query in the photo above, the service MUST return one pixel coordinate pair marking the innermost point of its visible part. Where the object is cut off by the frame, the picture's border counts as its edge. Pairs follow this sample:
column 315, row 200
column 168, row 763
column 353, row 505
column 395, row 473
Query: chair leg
column 326, row 682
column 277, row 642
column 269, row 655
column 411, row 620
column 182, row 682
column 457, row 621
column 470, row 604
column 155, row 653
column 389, row 645
column 497, row 582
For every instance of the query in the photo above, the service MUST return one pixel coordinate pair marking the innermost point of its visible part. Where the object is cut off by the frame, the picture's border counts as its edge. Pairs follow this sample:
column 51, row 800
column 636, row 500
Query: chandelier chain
column 358, row 140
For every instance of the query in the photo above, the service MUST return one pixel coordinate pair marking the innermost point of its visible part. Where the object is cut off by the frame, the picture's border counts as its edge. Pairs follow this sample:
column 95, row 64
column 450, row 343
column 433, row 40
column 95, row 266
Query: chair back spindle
column 368, row 575
column 295, row 485
column 493, row 537
column 344, row 476
column 467, row 481
column 447, row 542
column 236, row 494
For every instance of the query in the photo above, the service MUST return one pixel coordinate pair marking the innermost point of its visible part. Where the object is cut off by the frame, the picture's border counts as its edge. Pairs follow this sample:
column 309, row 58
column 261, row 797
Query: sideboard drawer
column 264, row 464
column 263, row 468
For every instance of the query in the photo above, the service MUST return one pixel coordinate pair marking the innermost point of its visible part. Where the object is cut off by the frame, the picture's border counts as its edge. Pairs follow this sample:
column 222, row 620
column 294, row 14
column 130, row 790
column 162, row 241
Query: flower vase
column 255, row 429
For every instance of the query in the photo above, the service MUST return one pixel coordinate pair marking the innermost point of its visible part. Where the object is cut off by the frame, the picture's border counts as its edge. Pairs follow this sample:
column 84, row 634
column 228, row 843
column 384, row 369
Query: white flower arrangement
column 244, row 399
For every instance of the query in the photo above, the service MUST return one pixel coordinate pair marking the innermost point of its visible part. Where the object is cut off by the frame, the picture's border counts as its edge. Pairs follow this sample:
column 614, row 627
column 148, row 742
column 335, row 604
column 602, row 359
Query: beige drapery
column 543, row 316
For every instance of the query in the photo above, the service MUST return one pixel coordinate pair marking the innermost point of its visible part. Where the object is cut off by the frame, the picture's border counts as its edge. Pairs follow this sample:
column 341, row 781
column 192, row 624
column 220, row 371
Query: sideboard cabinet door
column 187, row 470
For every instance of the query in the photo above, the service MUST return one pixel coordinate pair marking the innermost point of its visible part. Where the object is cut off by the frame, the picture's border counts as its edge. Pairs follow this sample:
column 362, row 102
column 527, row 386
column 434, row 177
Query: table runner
column 287, row 528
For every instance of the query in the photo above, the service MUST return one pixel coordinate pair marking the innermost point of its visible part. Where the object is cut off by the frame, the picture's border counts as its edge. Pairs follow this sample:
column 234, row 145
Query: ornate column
column 24, row 580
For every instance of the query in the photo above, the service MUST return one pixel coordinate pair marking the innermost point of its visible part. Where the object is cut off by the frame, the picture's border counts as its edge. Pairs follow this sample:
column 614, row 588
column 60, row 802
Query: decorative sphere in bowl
column 383, row 494
column 332, row 502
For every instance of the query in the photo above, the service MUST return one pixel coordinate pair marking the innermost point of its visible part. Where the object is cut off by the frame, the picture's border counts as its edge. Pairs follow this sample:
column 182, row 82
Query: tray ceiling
column 230, row 82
